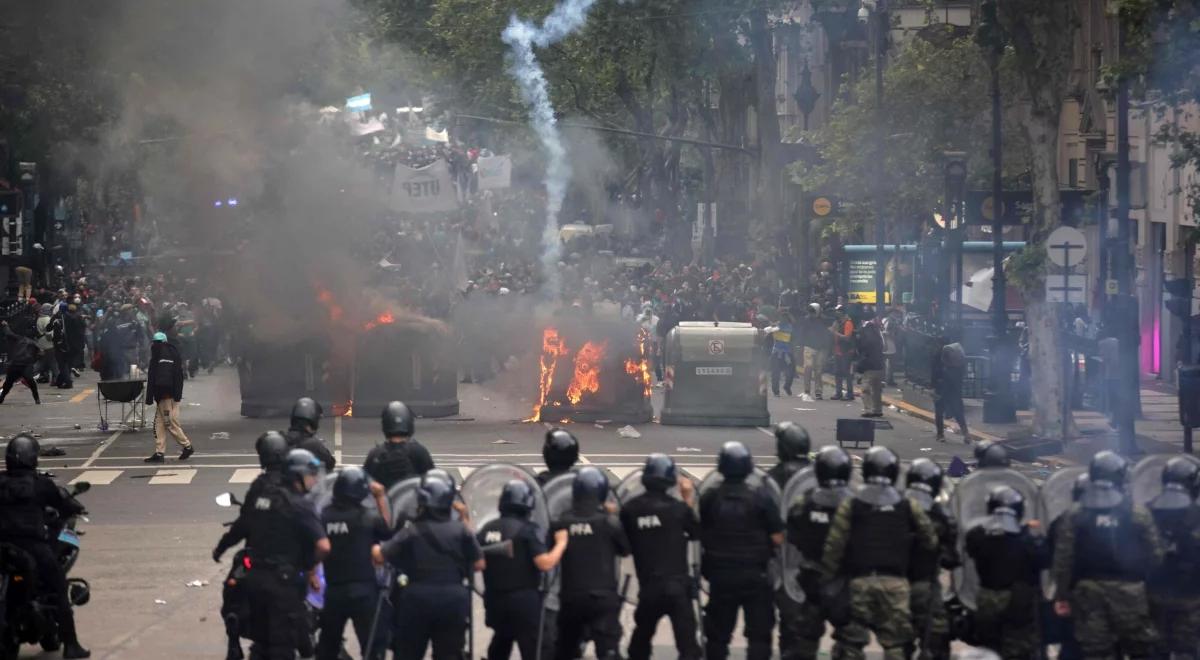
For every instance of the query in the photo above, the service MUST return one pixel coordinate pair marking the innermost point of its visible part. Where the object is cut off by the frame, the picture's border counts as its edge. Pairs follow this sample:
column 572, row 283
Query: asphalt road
column 152, row 528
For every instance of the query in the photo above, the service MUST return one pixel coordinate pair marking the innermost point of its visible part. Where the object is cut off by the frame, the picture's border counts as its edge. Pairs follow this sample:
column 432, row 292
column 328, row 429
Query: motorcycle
column 26, row 616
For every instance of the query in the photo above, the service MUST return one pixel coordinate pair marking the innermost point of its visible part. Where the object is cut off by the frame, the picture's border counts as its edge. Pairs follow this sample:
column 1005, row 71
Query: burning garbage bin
column 411, row 365
column 592, row 369
column 714, row 376
column 273, row 375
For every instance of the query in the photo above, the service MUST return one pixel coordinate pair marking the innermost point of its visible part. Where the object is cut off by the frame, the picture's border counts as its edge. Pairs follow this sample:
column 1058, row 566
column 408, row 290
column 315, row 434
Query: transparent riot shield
column 759, row 480
column 403, row 498
column 630, row 488
column 801, row 483
column 1145, row 479
column 558, row 501
column 969, row 505
column 322, row 495
column 1055, row 498
column 481, row 495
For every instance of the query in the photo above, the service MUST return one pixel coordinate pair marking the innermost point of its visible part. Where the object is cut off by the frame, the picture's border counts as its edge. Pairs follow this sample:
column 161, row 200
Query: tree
column 1042, row 39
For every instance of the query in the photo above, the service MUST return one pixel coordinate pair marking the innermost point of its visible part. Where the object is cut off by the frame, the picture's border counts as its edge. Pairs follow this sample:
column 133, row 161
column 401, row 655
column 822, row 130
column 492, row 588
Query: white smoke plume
column 521, row 36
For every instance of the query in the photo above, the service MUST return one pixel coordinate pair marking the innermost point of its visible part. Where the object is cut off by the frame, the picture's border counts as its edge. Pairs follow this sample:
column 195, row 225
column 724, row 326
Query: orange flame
column 552, row 349
column 335, row 310
column 385, row 318
column 587, row 371
column 345, row 409
column 640, row 368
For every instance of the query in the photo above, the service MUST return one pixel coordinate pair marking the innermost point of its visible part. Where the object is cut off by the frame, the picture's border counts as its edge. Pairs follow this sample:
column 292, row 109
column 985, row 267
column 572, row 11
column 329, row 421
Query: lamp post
column 878, row 9
column 956, row 177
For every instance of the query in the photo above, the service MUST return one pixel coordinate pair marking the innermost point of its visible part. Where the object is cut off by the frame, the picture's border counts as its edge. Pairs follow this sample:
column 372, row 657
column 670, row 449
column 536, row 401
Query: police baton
column 372, row 638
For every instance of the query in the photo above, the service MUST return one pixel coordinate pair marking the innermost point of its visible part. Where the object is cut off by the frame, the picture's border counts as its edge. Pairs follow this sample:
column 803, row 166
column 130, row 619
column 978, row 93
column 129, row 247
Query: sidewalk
column 1158, row 430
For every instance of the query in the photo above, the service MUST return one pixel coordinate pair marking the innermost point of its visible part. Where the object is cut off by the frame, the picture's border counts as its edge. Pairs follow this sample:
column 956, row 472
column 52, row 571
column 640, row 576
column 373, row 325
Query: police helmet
column 439, row 473
column 398, row 420
column 590, row 485
column 517, row 498
column 792, row 442
column 1080, row 486
column 734, row 462
column 1108, row 467
column 1006, row 500
column 272, row 448
column 1182, row 472
column 660, row 473
column 991, row 454
column 301, row 463
column 22, row 453
column 560, row 450
column 833, row 466
column 352, row 485
column 924, row 471
column 880, row 466
column 306, row 411
column 436, row 494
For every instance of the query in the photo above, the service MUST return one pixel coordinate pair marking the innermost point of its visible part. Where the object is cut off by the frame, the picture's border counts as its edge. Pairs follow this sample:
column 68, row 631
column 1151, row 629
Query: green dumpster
column 714, row 376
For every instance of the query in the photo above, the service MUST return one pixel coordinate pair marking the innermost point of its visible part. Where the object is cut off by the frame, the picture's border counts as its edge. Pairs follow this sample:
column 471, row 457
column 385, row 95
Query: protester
column 22, row 355
column 947, row 372
column 164, row 388
column 843, row 355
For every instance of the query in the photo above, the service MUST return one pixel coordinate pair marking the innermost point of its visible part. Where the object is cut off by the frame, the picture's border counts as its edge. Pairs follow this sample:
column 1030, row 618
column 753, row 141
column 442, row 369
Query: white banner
column 494, row 172
column 426, row 190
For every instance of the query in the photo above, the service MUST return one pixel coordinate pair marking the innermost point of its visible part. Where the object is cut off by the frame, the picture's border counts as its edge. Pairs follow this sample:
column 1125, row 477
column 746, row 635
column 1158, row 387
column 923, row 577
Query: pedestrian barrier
column 718, row 376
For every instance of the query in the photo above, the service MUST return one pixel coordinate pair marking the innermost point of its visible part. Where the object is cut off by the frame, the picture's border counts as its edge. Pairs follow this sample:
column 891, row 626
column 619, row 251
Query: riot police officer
column 930, row 623
column 1102, row 556
column 868, row 543
column 589, row 598
column 560, row 451
column 1008, row 558
column 25, row 495
column 512, row 581
column 807, row 528
column 400, row 456
column 271, row 448
column 285, row 542
column 302, row 431
column 659, row 527
column 433, row 557
column 351, row 591
column 990, row 454
column 1174, row 588
column 792, row 444
column 740, row 527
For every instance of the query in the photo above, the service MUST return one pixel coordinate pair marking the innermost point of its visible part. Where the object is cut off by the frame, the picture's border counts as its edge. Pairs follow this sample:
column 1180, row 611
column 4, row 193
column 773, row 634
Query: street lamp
column 806, row 95
column 956, row 177
column 878, row 9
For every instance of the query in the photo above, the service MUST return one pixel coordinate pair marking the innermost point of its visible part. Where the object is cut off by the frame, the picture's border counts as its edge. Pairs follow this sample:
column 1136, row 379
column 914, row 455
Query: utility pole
column 1126, row 312
column 878, row 11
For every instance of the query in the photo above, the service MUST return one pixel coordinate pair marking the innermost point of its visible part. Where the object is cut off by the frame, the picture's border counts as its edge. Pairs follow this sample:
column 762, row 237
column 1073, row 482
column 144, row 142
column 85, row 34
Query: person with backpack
column 843, row 355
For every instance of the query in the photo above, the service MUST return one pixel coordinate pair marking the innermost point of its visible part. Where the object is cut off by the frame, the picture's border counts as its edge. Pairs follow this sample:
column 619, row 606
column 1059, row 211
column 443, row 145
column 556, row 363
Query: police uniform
column 867, row 543
column 588, row 594
column 512, row 595
column 737, row 523
column 790, row 612
column 351, row 589
column 436, row 556
column 659, row 527
column 807, row 528
column 1008, row 562
column 391, row 462
column 931, row 623
column 302, row 439
column 1174, row 588
column 281, row 530
column 1102, row 555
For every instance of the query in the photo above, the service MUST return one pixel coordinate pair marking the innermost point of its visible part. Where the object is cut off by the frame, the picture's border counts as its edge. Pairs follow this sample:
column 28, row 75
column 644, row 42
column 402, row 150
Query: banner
column 494, row 172
column 426, row 190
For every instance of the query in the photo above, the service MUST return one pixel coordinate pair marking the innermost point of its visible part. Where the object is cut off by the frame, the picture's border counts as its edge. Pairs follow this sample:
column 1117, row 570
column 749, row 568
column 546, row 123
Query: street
column 152, row 528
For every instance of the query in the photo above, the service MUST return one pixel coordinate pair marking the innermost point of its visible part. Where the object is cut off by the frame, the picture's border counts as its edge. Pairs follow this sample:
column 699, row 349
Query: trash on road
column 628, row 432
column 197, row 583
column 502, row 441
column 219, row 435
column 159, row 601
column 807, row 409
column 926, row 448
column 806, row 397
column 892, row 406
column 599, row 426
column 687, row 449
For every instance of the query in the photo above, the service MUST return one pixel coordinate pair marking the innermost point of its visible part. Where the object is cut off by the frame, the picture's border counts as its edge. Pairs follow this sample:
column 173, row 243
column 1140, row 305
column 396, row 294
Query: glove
column 216, row 554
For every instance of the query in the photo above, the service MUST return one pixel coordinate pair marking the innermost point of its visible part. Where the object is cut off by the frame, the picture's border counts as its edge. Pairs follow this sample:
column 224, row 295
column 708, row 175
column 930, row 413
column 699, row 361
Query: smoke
column 521, row 36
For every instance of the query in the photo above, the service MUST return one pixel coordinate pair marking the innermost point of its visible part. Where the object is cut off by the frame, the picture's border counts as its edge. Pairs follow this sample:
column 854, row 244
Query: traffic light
column 1180, row 290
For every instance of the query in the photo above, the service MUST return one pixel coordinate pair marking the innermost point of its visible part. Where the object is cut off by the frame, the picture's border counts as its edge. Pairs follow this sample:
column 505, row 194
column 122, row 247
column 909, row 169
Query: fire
column 385, row 318
column 335, row 310
column 345, row 409
column 640, row 369
column 552, row 349
column 587, row 371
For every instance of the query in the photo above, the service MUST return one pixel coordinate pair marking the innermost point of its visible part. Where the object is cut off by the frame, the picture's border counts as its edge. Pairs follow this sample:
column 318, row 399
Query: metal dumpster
column 272, row 376
column 715, row 376
column 416, row 367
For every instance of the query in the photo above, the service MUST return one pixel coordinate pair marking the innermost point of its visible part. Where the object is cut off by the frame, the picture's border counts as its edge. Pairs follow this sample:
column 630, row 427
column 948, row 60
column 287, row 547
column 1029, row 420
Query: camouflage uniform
column 1008, row 635
column 801, row 626
column 1174, row 589
column 929, row 608
column 1109, row 605
column 879, row 603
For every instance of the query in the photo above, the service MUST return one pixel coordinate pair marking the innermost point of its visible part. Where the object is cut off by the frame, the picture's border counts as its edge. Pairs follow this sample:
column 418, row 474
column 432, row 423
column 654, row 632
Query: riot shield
column 800, row 484
column 558, row 501
column 1145, row 479
column 321, row 496
column 1055, row 498
column 969, row 504
column 481, row 495
column 629, row 488
column 758, row 480
column 402, row 497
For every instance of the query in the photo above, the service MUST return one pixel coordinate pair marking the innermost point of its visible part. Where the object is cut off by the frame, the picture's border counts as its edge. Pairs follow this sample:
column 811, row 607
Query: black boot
column 74, row 650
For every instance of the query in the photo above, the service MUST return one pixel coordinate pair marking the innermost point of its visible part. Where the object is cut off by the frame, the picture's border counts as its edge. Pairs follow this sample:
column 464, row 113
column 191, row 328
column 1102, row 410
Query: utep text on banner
column 425, row 190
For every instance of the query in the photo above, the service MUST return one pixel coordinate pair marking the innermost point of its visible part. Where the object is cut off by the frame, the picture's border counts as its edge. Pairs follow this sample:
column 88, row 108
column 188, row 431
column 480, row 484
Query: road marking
column 97, row 477
column 100, row 450
column 465, row 471
column 176, row 477
column 244, row 475
column 584, row 459
column 621, row 472
column 337, row 440
column 698, row 472
column 766, row 430
column 78, row 398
